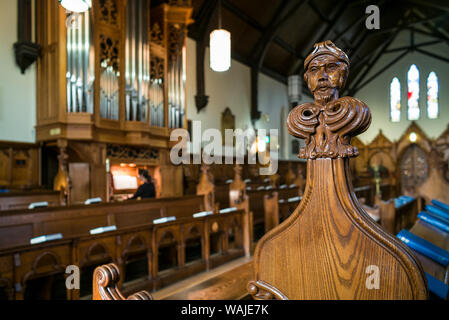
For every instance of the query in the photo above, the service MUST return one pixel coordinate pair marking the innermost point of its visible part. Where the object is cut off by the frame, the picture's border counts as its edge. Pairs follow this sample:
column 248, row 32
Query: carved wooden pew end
column 105, row 287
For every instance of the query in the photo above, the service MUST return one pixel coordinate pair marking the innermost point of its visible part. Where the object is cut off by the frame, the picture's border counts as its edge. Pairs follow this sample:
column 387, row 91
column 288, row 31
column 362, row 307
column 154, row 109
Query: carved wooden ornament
column 329, row 248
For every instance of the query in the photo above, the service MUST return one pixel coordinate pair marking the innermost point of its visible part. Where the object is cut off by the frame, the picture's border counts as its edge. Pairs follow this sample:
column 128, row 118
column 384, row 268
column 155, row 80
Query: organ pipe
column 176, row 90
column 137, row 53
column 80, row 74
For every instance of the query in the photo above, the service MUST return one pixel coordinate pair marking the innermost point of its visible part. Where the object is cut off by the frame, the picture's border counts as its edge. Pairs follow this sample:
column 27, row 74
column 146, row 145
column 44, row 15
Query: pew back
column 18, row 226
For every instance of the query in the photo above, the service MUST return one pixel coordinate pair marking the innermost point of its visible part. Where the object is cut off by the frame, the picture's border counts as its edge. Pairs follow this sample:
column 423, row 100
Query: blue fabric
column 437, row 287
column 434, row 220
column 402, row 200
column 437, row 211
column 441, row 205
column 424, row 247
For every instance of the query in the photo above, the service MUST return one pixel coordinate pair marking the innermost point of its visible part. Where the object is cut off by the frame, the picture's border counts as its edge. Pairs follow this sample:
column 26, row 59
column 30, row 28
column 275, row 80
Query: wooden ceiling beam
column 419, row 45
column 386, row 67
column 433, row 55
column 280, row 17
column 318, row 11
column 342, row 5
column 430, row 34
column 430, row 5
column 359, row 78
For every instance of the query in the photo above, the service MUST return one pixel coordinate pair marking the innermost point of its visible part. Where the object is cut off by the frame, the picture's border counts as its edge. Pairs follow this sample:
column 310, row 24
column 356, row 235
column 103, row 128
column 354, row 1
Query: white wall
column 376, row 93
column 17, row 91
column 233, row 89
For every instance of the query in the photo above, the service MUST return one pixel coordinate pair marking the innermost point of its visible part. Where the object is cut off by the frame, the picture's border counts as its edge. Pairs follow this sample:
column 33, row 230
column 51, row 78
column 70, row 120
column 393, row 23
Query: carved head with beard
column 326, row 72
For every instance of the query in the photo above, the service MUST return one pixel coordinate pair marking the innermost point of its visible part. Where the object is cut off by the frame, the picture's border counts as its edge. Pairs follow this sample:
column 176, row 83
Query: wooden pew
column 278, row 210
column 17, row 227
column 396, row 215
column 438, row 238
column 257, row 207
column 221, row 239
column 17, row 200
column 225, row 248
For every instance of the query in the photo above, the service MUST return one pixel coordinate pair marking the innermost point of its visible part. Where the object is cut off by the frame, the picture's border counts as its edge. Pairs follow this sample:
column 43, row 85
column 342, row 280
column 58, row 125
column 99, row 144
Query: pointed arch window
column 413, row 92
column 432, row 96
column 395, row 100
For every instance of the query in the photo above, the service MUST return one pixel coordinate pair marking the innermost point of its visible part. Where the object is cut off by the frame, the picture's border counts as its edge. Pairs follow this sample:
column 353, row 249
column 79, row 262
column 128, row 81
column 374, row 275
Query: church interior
column 342, row 190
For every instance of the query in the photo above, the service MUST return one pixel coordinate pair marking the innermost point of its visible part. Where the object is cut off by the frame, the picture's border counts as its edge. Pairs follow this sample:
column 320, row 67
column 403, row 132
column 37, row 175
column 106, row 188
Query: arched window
column 432, row 96
column 395, row 100
column 413, row 92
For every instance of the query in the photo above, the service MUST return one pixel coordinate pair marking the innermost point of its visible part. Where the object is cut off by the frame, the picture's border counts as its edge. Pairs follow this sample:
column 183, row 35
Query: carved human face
column 325, row 76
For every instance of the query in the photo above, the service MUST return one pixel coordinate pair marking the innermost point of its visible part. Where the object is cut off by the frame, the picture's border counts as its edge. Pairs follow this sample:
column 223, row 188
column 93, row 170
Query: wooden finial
column 105, row 282
column 330, row 122
column 329, row 243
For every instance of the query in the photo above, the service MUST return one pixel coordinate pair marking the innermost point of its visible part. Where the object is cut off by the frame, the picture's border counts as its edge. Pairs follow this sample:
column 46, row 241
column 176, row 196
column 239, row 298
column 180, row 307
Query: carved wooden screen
column 414, row 167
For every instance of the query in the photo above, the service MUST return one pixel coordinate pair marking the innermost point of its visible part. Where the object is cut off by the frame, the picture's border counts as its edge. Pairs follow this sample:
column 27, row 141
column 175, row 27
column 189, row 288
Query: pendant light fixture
column 220, row 47
column 76, row 5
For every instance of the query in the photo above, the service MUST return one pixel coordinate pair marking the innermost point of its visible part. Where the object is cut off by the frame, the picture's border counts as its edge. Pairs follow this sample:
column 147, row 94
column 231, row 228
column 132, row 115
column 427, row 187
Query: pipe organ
column 80, row 63
column 112, row 75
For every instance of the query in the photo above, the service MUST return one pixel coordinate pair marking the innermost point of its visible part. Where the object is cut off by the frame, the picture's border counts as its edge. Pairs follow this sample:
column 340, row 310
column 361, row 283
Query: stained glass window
column 395, row 100
column 432, row 96
column 413, row 92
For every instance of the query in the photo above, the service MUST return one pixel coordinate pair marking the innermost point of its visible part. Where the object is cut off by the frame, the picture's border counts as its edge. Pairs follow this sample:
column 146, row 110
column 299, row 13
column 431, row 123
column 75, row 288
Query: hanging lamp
column 220, row 47
column 76, row 5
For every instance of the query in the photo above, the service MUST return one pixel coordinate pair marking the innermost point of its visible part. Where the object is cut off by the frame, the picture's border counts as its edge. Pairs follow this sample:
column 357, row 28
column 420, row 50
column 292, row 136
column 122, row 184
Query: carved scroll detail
column 328, row 129
column 105, row 285
column 261, row 290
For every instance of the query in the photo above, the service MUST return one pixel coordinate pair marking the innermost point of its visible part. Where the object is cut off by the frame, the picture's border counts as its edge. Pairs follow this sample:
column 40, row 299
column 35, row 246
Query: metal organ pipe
column 137, row 61
column 80, row 64
column 176, row 96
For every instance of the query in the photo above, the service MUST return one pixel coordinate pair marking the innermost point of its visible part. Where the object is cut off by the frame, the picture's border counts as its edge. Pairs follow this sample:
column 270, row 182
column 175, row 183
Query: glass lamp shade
column 76, row 5
column 220, row 50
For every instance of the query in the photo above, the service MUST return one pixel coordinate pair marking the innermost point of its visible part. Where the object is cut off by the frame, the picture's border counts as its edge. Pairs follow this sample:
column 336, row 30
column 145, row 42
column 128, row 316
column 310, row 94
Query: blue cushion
column 441, row 205
column 434, row 220
column 437, row 287
column 437, row 211
column 402, row 200
column 424, row 247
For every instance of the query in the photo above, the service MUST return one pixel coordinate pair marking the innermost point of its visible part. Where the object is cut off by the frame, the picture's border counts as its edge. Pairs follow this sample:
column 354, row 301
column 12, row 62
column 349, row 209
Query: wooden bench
column 396, row 215
column 278, row 210
column 17, row 200
column 17, row 227
column 257, row 204
column 169, row 252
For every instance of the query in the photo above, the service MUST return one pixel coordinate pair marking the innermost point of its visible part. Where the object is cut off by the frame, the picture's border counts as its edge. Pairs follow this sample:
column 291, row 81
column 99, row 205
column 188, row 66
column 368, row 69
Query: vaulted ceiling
column 274, row 36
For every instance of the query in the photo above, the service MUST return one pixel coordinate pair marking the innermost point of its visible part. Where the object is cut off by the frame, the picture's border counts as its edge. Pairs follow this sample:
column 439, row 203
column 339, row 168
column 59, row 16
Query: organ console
column 125, row 180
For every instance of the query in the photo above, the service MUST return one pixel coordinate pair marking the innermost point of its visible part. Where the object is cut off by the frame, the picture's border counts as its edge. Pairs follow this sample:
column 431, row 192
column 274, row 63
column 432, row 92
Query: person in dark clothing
column 147, row 189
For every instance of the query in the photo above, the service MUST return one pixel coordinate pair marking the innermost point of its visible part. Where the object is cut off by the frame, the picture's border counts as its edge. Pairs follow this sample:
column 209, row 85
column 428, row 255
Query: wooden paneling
column 19, row 165
column 79, row 174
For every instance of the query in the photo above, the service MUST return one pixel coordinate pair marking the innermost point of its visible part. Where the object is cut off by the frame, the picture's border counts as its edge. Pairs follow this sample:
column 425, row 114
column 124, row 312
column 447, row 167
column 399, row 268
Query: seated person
column 147, row 189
